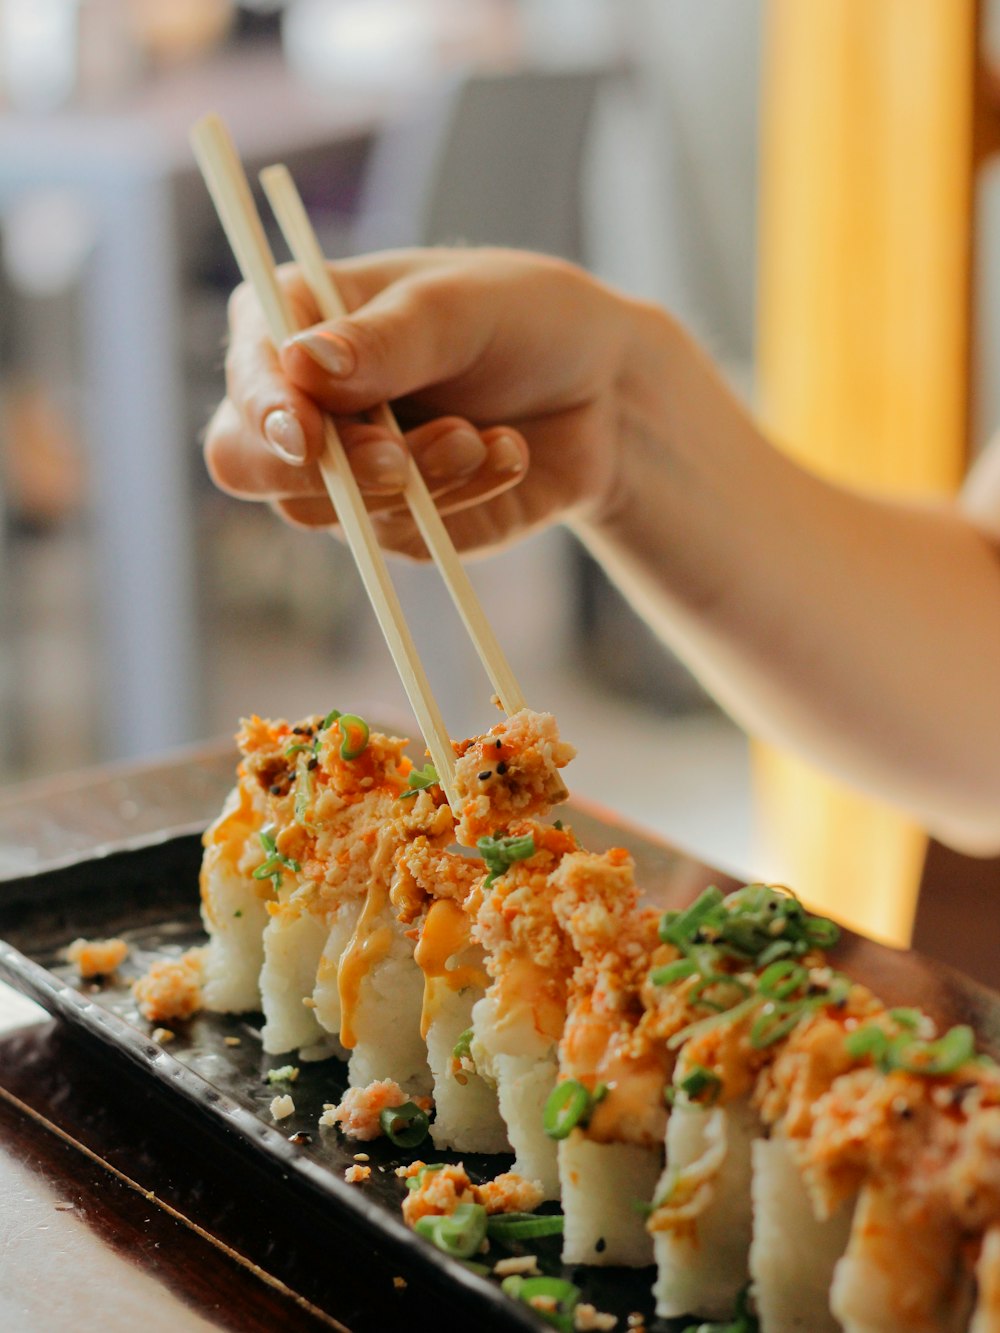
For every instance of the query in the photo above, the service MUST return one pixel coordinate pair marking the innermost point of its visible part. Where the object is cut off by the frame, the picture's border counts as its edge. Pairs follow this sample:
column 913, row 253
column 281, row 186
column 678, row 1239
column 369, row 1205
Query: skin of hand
column 503, row 370
column 861, row 632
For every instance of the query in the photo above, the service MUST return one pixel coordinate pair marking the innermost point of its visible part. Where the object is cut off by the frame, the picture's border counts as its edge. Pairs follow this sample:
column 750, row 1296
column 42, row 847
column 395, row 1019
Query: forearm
column 860, row 633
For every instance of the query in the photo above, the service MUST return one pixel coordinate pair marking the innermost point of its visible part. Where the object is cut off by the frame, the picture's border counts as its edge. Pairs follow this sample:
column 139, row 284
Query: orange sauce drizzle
column 368, row 945
column 446, row 932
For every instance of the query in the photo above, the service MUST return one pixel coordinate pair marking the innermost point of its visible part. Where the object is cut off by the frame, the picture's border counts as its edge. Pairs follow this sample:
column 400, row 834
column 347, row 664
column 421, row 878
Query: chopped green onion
column 704, row 1025
column 909, row 1053
column 419, row 780
column 779, row 949
column 680, row 928
column 459, row 1234
column 349, row 722
column 717, row 981
column 699, row 1080
column 906, row 1018
column 463, row 1047
column 524, row 1226
column 558, row 825
column 406, row 1126
column 428, row 1169
column 782, row 979
column 671, row 972
column 869, row 1040
column 777, row 1021
column 822, row 933
column 271, row 866
column 329, row 720
column 935, row 1058
column 531, row 1289
column 501, row 853
column 569, row 1104
column 303, row 793
column 298, row 748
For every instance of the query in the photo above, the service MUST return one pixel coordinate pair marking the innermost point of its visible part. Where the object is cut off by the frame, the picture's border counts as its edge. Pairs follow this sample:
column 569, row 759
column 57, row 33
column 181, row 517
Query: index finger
column 285, row 419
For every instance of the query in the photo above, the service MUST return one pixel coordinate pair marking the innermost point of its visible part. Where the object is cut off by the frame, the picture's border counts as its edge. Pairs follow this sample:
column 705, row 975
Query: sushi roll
column 701, row 1221
column 530, row 960
column 835, row 1158
column 793, row 1253
column 233, row 905
column 607, row 1111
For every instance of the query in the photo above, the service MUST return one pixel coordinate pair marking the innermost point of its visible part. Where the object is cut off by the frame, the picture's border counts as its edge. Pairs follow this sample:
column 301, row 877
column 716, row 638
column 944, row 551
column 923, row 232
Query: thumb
column 407, row 338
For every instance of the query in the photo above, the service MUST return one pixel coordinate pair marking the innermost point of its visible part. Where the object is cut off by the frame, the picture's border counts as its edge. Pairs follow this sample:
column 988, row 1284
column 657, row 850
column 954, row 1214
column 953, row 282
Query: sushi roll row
column 702, row 1089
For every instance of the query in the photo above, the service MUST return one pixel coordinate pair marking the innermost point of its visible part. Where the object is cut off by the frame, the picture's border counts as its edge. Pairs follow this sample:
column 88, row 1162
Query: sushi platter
column 119, row 854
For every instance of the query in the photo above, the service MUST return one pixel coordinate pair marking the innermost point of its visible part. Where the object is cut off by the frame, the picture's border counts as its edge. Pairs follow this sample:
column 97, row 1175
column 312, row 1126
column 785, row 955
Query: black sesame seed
column 501, row 768
column 275, row 790
column 298, row 731
column 499, row 745
column 312, row 764
column 601, row 1245
column 486, row 773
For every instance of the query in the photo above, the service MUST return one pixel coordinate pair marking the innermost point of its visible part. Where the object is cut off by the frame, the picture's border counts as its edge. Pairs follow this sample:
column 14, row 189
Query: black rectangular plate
column 148, row 894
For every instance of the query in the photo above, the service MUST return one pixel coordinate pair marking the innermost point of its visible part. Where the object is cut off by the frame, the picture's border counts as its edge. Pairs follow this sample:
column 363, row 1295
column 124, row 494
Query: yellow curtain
column 863, row 333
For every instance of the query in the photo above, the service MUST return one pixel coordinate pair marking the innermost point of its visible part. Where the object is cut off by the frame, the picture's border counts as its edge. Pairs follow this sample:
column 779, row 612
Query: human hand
column 505, row 370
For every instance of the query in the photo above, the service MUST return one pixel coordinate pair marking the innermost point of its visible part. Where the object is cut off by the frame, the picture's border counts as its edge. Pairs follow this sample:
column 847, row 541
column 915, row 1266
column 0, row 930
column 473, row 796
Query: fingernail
column 283, row 432
column 505, row 455
column 380, row 465
column 330, row 352
column 457, row 452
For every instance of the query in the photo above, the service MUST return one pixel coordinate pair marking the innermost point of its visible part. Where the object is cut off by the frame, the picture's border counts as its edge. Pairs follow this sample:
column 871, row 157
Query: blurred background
column 646, row 139
column 141, row 608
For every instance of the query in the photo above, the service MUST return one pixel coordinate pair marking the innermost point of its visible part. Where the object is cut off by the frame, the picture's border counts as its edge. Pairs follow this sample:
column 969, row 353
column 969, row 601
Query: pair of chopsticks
column 230, row 190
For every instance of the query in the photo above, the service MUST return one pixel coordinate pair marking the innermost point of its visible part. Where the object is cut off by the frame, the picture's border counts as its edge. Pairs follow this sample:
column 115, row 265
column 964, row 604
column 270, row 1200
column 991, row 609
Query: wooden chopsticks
column 230, row 191
column 298, row 232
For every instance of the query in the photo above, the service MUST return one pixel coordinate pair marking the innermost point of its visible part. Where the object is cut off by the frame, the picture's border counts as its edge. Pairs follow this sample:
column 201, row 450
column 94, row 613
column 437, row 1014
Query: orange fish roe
column 171, row 988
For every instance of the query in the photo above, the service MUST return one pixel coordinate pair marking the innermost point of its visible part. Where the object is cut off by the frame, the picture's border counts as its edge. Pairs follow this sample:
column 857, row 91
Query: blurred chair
column 481, row 159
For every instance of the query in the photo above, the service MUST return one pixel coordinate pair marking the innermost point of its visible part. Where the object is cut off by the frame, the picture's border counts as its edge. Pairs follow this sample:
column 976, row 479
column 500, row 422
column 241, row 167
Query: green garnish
column 908, row 1053
column 501, row 853
column 419, row 780
column 286, row 1074
column 406, row 1126
column 238, row 912
column 271, row 866
column 524, row 1226
column 462, row 1050
column 329, row 720
column 414, row 1182
column 570, row 1104
column 351, row 748
column 671, row 972
column 459, row 1234
column 699, row 1081
column 529, row 1289
column 757, row 927
column 303, row 793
